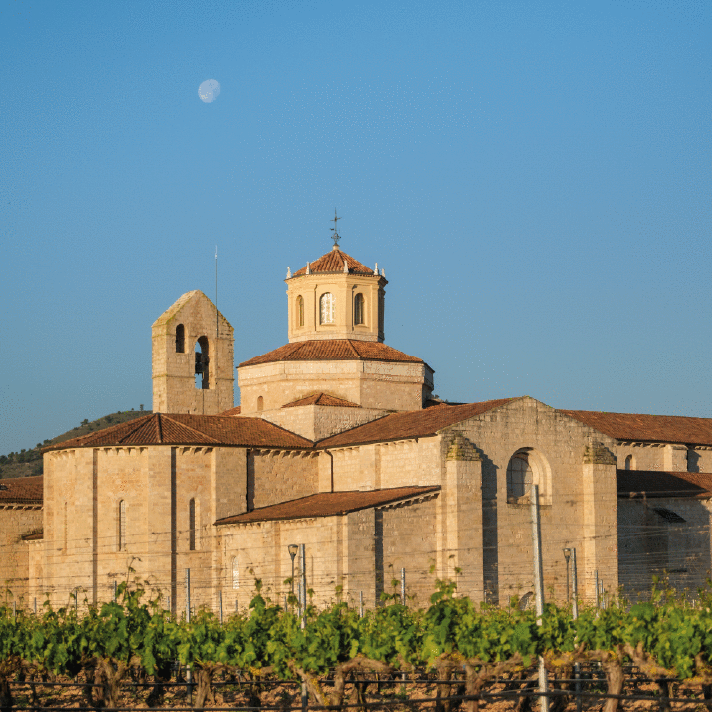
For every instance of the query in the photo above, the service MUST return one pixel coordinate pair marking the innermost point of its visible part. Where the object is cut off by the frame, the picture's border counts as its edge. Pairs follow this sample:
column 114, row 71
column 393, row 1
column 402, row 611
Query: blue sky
column 534, row 177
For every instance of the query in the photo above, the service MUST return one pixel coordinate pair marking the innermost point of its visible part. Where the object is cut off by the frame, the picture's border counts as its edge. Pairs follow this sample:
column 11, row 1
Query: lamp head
column 293, row 548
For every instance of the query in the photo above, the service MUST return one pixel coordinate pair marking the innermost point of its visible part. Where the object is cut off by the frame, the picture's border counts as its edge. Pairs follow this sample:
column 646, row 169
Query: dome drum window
column 359, row 310
column 327, row 308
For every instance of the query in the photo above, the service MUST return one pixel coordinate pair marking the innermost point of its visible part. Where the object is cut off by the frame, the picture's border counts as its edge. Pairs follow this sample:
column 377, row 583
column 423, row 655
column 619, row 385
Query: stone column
column 600, row 518
column 461, row 518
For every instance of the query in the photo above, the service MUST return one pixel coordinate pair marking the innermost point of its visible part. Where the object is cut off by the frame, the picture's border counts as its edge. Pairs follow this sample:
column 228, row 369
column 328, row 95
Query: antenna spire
column 335, row 237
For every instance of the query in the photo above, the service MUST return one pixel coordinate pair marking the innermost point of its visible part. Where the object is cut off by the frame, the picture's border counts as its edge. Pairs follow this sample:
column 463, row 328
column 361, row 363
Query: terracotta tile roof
column 21, row 490
column 654, row 428
column 328, row 504
column 322, row 399
column 333, row 261
column 232, row 411
column 184, row 429
column 411, row 424
column 333, row 350
column 653, row 483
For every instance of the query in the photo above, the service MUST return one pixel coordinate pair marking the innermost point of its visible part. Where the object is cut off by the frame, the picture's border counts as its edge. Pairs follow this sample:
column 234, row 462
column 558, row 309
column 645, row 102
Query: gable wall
column 498, row 434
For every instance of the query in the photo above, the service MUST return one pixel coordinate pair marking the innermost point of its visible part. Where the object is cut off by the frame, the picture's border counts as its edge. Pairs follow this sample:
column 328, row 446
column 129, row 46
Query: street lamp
column 567, row 556
column 292, row 549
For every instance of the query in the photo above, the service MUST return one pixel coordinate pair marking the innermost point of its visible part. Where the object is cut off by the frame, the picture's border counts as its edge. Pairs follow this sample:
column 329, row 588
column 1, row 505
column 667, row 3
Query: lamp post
column 567, row 556
column 292, row 549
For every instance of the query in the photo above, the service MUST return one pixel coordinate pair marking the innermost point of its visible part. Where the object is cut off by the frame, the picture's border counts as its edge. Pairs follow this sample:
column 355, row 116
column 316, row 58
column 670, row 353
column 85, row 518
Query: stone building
column 340, row 445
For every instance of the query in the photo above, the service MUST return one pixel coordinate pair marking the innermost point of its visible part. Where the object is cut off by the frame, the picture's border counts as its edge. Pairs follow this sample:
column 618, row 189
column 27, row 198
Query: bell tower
column 192, row 360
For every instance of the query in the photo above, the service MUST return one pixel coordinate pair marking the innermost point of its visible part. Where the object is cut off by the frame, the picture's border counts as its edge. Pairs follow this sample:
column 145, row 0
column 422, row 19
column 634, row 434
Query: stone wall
column 379, row 385
column 279, row 476
column 15, row 522
column 668, row 538
column 316, row 422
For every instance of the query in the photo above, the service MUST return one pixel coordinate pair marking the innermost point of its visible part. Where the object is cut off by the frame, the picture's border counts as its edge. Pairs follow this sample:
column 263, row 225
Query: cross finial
column 335, row 237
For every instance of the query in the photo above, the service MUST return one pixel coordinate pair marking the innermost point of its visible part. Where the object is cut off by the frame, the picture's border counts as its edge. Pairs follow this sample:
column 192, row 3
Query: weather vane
column 335, row 237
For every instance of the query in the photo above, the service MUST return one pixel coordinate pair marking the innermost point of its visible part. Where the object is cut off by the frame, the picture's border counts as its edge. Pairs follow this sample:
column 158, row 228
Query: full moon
column 209, row 90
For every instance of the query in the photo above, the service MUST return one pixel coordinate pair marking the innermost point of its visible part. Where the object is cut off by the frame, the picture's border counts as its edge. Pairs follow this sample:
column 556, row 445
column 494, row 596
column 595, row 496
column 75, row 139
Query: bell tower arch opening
column 202, row 363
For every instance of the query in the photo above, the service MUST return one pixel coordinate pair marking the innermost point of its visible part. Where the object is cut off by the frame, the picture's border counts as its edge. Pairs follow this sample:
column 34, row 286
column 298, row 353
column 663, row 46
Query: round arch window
column 519, row 476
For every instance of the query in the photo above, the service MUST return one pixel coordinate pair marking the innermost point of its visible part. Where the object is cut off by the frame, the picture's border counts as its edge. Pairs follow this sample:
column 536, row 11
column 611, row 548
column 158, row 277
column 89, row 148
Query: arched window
column 260, row 403
column 202, row 363
column 326, row 308
column 300, row 310
column 180, row 339
column 629, row 463
column 359, row 309
column 192, row 525
column 235, row 573
column 122, row 525
column 528, row 467
column 519, row 476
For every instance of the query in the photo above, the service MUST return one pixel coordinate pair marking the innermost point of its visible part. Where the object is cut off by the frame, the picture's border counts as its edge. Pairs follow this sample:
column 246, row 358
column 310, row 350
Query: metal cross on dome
column 335, row 237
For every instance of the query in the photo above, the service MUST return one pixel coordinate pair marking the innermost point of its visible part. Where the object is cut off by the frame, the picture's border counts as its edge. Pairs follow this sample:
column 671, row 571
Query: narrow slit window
column 192, row 525
column 300, row 310
column 235, row 573
column 180, row 339
column 122, row 525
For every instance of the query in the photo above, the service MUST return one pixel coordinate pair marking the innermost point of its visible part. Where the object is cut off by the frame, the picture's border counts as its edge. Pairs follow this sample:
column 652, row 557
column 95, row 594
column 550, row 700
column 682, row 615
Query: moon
column 209, row 90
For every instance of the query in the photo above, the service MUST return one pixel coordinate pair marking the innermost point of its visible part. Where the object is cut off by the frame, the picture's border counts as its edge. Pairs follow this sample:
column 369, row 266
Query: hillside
column 28, row 463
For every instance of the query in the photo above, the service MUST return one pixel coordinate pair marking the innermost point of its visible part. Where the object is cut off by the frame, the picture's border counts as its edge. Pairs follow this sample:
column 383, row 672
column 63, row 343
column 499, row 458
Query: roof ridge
column 84, row 440
column 188, row 427
column 353, row 348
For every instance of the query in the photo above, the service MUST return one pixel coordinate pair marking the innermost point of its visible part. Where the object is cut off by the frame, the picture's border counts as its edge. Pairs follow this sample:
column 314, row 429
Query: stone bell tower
column 192, row 360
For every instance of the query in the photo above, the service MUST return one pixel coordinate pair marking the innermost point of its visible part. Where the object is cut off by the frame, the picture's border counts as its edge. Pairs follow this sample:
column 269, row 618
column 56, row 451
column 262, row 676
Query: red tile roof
column 184, row 429
column 21, row 490
column 411, row 424
column 653, row 483
column 232, row 411
column 653, row 428
column 322, row 399
column 333, row 350
column 333, row 261
column 328, row 504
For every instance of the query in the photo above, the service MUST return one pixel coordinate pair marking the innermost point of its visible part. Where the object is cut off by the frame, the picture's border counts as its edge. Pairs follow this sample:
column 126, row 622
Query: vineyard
column 131, row 653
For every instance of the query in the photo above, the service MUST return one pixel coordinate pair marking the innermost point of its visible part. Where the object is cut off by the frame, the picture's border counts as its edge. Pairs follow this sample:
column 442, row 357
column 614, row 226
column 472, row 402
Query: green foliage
column 136, row 630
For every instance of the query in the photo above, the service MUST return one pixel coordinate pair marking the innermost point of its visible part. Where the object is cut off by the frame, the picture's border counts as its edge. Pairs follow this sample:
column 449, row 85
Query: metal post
column 187, row 595
column 169, row 604
column 539, row 590
column 577, row 667
column 221, row 610
column 360, row 603
column 403, row 586
column 292, row 549
column 189, row 671
column 303, row 625
column 303, row 577
column 567, row 556
column 14, row 610
column 598, row 602
column 116, row 590
column 35, row 606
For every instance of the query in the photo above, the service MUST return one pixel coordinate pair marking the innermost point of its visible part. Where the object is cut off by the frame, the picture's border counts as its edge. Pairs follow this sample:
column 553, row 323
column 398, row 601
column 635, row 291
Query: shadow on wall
column 667, row 538
column 490, row 536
